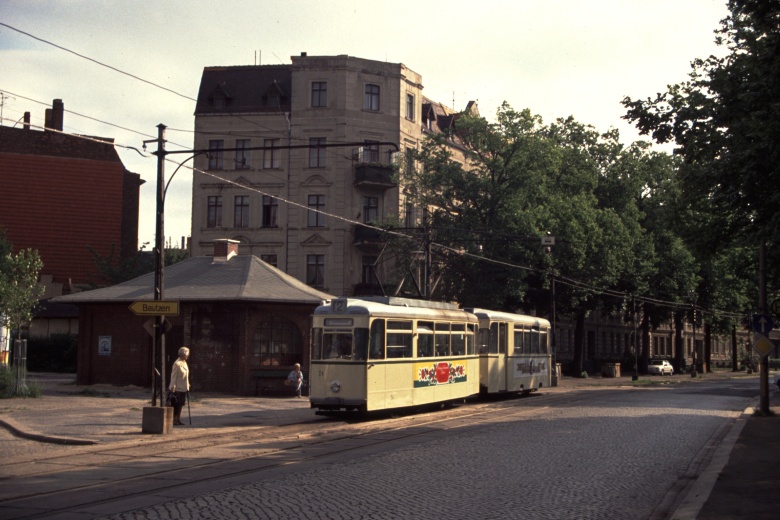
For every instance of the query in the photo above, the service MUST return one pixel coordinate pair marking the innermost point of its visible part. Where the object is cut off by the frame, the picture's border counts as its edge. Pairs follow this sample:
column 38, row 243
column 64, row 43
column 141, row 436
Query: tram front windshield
column 340, row 344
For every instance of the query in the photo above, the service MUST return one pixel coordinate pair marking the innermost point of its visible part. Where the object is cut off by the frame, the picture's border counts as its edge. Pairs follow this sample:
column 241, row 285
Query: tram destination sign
column 155, row 308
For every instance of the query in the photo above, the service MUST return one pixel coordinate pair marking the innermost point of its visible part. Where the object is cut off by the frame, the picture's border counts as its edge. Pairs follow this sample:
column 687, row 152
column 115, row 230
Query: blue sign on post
column 762, row 323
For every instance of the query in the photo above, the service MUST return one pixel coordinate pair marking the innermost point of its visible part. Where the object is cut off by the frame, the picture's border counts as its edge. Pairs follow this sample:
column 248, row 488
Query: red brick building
column 61, row 195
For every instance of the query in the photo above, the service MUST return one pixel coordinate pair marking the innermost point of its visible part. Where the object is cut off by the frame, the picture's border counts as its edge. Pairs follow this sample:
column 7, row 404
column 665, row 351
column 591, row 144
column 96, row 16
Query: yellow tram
column 514, row 352
column 385, row 352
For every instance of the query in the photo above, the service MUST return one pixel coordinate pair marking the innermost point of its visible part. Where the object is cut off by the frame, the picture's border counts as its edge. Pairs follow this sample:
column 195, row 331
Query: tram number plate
column 339, row 305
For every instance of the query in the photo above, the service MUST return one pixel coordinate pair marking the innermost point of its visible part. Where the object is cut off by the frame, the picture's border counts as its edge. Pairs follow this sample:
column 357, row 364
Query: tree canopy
column 725, row 123
column 19, row 288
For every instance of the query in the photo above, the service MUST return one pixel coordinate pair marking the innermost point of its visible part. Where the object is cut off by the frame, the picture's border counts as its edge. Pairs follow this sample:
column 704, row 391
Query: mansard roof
column 242, row 278
column 244, row 89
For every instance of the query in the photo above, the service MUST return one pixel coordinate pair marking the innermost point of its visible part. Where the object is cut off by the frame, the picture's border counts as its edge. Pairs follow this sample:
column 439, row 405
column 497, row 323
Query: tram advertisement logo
column 439, row 373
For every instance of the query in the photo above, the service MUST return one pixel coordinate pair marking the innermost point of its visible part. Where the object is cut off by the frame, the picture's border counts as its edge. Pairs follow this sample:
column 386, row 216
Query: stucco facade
column 360, row 112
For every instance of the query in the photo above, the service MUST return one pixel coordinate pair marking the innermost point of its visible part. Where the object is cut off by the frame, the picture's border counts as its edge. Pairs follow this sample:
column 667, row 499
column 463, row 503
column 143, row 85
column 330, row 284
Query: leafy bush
column 7, row 382
column 8, row 385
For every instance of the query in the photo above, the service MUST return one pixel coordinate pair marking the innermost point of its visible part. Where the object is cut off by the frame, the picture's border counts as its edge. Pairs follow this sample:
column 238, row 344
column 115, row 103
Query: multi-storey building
column 330, row 127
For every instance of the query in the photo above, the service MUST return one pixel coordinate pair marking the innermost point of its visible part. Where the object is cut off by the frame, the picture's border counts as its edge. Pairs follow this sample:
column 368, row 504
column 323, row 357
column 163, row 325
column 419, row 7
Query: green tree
column 725, row 123
column 19, row 288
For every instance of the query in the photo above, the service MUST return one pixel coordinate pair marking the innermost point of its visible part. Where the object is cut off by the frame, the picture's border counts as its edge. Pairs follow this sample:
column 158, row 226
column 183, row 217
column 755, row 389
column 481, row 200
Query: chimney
column 224, row 249
column 57, row 114
column 303, row 54
column 26, row 124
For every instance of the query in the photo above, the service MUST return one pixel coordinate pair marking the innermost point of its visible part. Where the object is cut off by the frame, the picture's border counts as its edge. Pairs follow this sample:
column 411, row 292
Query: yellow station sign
column 155, row 308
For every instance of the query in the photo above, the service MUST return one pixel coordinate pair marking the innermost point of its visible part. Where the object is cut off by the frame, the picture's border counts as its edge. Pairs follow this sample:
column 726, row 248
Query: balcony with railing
column 370, row 172
column 368, row 238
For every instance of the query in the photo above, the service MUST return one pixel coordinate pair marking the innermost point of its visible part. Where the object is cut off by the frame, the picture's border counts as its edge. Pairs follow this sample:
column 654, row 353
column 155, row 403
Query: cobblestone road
column 615, row 455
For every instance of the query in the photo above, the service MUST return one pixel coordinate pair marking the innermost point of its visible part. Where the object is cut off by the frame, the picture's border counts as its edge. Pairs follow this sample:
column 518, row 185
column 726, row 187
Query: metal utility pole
column 159, row 263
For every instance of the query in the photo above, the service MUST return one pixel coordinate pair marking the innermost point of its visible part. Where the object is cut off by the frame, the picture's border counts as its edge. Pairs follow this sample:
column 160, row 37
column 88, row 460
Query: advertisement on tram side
column 529, row 367
column 439, row 373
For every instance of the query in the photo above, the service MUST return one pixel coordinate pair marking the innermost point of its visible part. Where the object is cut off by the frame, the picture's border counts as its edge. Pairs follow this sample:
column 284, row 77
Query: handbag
column 171, row 399
column 287, row 382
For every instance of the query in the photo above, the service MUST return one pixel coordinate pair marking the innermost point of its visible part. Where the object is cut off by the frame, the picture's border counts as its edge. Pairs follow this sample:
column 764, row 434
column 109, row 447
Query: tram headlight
column 335, row 387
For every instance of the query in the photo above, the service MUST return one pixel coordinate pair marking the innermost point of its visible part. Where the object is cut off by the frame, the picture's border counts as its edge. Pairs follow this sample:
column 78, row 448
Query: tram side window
column 544, row 346
column 424, row 339
column 442, row 339
column 493, row 346
column 399, row 341
column 458, row 339
column 534, row 341
column 377, row 341
column 518, row 341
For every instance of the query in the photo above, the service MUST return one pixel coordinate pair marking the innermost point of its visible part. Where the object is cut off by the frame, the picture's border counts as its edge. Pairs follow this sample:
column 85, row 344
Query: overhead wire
column 115, row 69
column 573, row 283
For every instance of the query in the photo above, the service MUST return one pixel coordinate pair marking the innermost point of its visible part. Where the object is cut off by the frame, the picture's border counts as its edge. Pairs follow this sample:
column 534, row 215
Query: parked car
column 777, row 381
column 660, row 366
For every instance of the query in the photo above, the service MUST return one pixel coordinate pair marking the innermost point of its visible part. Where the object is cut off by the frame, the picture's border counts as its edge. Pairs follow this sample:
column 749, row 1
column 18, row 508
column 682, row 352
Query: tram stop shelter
column 240, row 317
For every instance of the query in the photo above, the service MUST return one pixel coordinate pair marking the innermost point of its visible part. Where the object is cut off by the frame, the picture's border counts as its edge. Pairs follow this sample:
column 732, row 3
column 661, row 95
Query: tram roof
column 485, row 314
column 378, row 307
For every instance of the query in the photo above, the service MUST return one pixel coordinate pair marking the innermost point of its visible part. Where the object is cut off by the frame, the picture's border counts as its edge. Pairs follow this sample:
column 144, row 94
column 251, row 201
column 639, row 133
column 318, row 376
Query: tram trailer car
column 381, row 353
column 514, row 352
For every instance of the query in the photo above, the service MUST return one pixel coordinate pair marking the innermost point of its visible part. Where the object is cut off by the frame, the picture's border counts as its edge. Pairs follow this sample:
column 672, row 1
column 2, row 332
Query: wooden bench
column 270, row 382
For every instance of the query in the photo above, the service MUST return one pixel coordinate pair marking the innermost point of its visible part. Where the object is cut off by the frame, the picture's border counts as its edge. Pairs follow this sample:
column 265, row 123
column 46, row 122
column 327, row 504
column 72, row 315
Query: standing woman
column 180, row 384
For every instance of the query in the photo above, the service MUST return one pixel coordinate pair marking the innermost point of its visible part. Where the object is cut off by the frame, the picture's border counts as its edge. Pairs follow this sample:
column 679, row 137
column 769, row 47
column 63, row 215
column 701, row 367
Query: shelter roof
column 243, row 278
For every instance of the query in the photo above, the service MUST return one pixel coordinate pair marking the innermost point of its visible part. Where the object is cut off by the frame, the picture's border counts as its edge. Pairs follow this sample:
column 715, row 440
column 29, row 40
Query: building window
column 241, row 211
column 271, row 157
column 371, row 98
column 410, row 107
column 319, row 94
column 242, row 154
column 276, row 342
column 269, row 259
column 270, row 211
column 315, row 270
column 371, row 151
column 316, row 204
column 370, row 209
column 215, row 154
column 316, row 152
column 214, row 215
column 369, row 270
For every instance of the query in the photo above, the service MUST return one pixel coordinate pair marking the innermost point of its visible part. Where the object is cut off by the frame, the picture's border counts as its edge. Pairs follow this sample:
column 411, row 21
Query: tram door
column 494, row 365
column 504, row 367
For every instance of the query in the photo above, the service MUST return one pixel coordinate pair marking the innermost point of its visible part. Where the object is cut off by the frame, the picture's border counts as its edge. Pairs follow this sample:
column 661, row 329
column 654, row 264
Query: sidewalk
column 739, row 482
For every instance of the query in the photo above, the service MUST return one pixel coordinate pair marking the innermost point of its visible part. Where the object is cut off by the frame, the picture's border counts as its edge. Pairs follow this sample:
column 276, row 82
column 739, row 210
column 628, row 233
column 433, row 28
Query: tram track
column 231, row 458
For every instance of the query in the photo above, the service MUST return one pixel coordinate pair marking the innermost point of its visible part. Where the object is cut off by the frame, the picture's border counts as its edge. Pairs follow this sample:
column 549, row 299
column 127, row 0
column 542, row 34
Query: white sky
column 556, row 57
